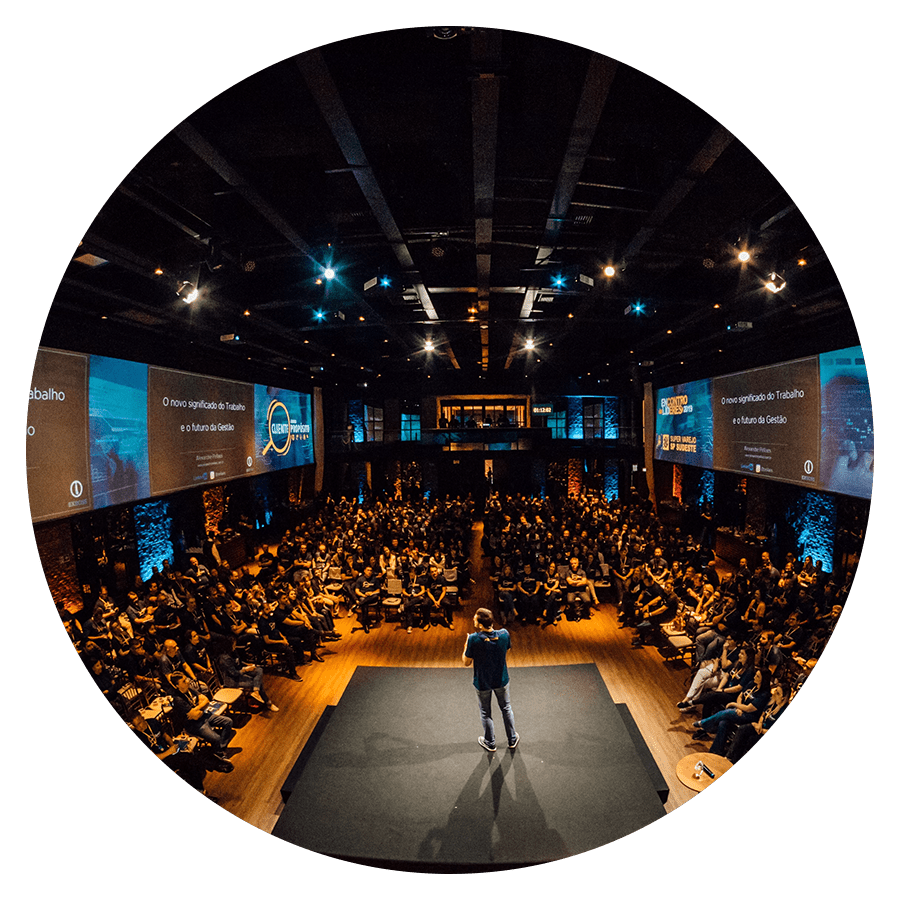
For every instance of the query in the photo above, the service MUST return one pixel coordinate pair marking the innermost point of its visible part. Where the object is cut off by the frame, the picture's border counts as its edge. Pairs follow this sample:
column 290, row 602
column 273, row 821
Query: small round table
column 685, row 770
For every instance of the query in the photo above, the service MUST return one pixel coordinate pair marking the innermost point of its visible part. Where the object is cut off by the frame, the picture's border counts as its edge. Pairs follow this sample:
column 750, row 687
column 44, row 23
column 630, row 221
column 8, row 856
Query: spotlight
column 743, row 256
column 609, row 271
column 328, row 273
column 775, row 283
column 319, row 314
column 188, row 292
column 529, row 344
column 429, row 345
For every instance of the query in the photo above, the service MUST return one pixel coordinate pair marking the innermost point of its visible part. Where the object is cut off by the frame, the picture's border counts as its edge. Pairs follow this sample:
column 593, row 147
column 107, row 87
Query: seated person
column 275, row 642
column 733, row 680
column 197, row 574
column 748, row 707
column 367, row 593
column 294, row 625
column 190, row 714
column 552, row 594
column 195, row 652
column 267, row 566
column 238, row 673
column 108, row 678
column 578, row 598
column 166, row 621
column 528, row 589
column 768, row 656
column 746, row 735
column 708, row 642
column 437, row 597
column 506, row 594
column 171, row 660
column 192, row 766
column 139, row 666
column 413, row 600
column 658, row 610
column 139, row 611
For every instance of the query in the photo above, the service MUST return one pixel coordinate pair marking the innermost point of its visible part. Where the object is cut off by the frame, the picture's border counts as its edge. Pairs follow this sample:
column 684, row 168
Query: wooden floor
column 640, row 678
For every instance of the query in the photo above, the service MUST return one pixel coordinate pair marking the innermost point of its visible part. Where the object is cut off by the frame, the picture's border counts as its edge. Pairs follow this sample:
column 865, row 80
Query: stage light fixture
column 188, row 291
column 775, row 283
column 743, row 256
column 319, row 314
column 609, row 271
column 329, row 273
column 429, row 345
column 529, row 344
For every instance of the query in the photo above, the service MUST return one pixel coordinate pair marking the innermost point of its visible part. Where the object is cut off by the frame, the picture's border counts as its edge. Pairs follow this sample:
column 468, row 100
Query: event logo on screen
column 282, row 430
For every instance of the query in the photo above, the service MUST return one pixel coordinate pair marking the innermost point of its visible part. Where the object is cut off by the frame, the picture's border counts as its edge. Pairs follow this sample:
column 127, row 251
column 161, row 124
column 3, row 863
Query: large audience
column 163, row 652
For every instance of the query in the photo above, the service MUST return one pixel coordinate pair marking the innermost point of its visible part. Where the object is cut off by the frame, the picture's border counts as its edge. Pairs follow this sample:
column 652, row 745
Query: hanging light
column 188, row 291
column 775, row 283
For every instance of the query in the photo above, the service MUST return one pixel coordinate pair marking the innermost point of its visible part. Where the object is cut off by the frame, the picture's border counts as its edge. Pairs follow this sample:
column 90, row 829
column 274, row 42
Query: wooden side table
column 685, row 770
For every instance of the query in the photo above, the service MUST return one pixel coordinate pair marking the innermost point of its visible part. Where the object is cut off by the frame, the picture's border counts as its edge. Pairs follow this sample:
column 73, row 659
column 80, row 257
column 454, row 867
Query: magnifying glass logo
column 271, row 445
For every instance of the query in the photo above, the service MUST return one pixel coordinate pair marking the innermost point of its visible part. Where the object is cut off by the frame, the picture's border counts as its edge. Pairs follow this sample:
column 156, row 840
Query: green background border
column 90, row 89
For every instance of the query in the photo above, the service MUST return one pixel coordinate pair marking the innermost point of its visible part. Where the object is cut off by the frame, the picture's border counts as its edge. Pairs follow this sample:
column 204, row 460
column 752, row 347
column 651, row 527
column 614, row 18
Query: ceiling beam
column 485, row 111
column 325, row 93
column 217, row 161
column 597, row 83
column 714, row 146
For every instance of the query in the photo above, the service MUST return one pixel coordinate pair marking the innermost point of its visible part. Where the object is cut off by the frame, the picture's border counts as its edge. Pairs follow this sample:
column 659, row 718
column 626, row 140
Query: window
column 556, row 422
column 374, row 423
column 410, row 427
column 593, row 420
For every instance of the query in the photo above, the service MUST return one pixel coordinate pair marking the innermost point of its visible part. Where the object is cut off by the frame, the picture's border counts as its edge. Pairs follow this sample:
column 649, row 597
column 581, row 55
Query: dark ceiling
column 470, row 171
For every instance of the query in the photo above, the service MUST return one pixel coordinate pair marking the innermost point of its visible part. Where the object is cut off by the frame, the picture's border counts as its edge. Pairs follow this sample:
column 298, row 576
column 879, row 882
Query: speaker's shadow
column 497, row 816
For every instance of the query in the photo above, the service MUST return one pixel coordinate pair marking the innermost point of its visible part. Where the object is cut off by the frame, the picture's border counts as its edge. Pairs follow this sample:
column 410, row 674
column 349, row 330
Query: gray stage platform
column 396, row 777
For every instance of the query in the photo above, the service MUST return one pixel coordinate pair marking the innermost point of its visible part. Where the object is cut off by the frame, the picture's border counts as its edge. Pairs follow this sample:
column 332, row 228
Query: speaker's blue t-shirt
column 487, row 650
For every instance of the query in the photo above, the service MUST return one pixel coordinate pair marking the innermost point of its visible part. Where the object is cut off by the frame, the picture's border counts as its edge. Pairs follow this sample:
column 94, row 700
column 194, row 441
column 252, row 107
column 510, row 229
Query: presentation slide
column 120, row 471
column 283, row 428
column 56, row 455
column 200, row 429
column 684, row 430
column 766, row 422
column 848, row 435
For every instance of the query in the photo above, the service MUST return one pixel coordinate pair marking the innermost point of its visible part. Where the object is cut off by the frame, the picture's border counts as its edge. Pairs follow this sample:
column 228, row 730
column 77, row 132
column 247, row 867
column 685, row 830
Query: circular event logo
column 274, row 407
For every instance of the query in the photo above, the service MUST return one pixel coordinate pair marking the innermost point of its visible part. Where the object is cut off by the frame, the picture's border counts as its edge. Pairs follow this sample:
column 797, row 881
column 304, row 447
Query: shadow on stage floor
column 393, row 777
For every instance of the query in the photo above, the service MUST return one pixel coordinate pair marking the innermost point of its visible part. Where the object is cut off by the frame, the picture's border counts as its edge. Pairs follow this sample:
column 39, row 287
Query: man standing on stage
column 486, row 649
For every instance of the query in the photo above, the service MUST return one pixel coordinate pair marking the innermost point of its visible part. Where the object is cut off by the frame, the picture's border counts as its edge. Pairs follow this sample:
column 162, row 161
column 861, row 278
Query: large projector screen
column 105, row 431
column 806, row 421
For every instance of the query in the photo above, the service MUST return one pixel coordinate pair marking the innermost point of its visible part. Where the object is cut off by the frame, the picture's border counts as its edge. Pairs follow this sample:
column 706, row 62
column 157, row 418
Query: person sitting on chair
column 413, row 600
column 190, row 714
column 236, row 673
column 577, row 595
column 367, row 592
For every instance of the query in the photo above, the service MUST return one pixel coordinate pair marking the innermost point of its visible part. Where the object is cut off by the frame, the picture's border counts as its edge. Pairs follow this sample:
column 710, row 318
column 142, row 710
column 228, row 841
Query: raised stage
column 393, row 775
